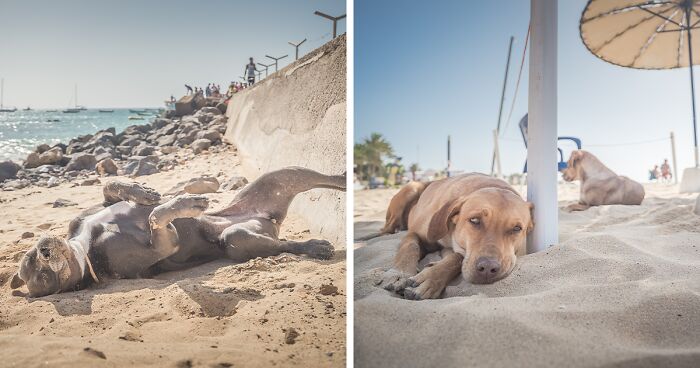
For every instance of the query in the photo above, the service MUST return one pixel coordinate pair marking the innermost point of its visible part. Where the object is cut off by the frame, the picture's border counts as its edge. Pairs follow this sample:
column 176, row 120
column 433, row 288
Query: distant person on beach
column 654, row 173
column 207, row 91
column 250, row 70
column 666, row 171
column 189, row 90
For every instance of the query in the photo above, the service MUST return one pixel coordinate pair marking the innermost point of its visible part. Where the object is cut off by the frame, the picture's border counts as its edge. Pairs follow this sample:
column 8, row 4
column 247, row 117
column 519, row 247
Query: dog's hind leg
column 164, row 237
column 258, row 238
column 271, row 194
column 117, row 191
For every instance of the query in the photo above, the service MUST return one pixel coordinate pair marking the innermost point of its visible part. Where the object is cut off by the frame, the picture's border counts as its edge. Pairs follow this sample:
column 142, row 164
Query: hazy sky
column 423, row 71
column 130, row 53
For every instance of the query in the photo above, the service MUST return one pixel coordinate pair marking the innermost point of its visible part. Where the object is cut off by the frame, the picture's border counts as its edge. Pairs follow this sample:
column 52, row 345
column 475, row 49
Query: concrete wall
column 296, row 117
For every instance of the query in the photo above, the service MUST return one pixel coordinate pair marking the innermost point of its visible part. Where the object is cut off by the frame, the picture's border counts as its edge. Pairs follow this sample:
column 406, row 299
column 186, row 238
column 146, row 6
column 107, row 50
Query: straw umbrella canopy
column 645, row 34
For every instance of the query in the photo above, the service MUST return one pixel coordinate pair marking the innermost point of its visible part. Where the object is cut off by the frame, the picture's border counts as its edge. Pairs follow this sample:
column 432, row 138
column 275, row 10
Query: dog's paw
column 320, row 249
column 394, row 280
column 420, row 288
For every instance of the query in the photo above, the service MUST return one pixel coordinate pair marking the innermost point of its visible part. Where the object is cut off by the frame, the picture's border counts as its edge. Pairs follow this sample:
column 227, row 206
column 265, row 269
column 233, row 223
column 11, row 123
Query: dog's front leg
column 405, row 264
column 430, row 283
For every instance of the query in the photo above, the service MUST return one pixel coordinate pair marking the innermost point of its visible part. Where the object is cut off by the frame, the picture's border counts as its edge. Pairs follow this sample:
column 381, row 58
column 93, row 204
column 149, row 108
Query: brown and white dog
column 477, row 221
column 599, row 185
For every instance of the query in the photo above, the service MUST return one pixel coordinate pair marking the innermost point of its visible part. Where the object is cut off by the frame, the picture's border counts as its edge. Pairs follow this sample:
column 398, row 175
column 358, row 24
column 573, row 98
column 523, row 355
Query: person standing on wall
column 250, row 70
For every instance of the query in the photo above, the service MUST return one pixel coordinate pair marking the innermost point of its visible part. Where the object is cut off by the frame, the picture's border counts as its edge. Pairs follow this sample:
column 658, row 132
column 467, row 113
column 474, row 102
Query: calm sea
column 21, row 131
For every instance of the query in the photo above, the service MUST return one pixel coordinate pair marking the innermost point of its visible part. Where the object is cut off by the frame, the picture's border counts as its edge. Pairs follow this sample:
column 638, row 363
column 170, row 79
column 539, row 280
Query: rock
column 53, row 156
column 62, row 146
column 89, row 182
column 60, row 202
column 200, row 145
column 209, row 110
column 160, row 123
column 53, row 181
column 234, row 183
column 290, row 335
column 95, row 353
column 141, row 165
column 106, row 167
column 328, row 289
column 42, row 148
column 213, row 135
column 82, row 161
column 168, row 150
column 27, row 235
column 32, row 161
column 131, row 141
column 187, row 105
column 45, row 226
column 201, row 185
column 143, row 150
column 167, row 140
column 16, row 184
column 222, row 107
column 8, row 170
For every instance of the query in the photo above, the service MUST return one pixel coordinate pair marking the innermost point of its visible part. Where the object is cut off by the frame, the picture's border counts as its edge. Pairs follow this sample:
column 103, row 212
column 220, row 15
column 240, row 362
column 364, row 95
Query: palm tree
column 413, row 168
column 377, row 149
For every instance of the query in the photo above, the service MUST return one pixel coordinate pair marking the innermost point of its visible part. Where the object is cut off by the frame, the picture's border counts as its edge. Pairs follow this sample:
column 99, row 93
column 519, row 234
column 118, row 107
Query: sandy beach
column 622, row 289
column 219, row 314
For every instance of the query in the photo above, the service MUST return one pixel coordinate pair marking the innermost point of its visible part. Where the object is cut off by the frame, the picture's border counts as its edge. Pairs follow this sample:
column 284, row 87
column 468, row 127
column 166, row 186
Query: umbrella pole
column 692, row 85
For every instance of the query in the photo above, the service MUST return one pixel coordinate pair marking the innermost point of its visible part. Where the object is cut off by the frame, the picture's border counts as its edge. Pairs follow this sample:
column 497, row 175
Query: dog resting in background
column 600, row 185
column 478, row 222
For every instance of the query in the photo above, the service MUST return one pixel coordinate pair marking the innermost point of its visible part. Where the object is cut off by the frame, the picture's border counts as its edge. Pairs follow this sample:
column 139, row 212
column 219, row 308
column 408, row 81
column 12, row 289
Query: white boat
column 77, row 108
column 2, row 93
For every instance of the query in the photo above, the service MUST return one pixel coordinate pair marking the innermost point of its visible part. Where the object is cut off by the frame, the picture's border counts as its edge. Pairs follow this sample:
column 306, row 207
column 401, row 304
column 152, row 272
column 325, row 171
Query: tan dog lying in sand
column 479, row 222
column 599, row 185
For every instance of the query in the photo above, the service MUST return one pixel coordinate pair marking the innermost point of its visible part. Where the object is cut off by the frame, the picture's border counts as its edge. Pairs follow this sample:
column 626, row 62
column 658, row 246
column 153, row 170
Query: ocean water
column 21, row 131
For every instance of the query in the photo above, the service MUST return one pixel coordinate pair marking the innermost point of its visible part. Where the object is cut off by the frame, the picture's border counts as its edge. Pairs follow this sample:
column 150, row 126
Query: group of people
column 662, row 174
column 214, row 90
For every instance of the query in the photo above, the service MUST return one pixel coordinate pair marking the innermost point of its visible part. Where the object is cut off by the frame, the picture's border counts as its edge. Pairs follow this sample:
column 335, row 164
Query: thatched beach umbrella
column 647, row 34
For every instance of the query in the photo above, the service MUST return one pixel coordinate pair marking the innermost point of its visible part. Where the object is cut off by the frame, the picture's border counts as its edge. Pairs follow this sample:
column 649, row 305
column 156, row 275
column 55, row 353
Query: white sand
column 213, row 315
column 621, row 289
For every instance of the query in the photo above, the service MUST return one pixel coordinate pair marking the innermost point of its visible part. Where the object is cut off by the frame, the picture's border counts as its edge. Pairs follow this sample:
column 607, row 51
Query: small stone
column 328, row 289
column 63, row 203
column 27, row 235
column 290, row 335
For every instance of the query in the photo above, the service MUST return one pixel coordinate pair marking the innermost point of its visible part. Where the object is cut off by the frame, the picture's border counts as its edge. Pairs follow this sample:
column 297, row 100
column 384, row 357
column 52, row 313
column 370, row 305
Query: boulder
column 213, row 135
column 141, row 165
column 168, row 150
column 200, row 145
column 201, row 185
column 187, row 105
column 209, row 110
column 8, row 170
column 167, row 140
column 234, row 183
column 106, row 167
column 82, row 161
column 32, row 161
column 42, row 148
column 143, row 150
column 52, row 156
column 222, row 107
column 60, row 202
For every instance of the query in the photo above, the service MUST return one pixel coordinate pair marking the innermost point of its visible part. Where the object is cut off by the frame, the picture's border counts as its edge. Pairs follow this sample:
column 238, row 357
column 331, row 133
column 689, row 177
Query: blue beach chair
column 562, row 164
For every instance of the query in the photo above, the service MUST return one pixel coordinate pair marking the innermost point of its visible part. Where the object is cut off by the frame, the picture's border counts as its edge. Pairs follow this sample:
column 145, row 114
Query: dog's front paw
column 394, row 280
column 320, row 249
column 422, row 287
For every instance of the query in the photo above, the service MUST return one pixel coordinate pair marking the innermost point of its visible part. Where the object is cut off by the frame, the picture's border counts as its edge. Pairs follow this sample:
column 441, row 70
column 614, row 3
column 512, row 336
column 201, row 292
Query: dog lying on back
column 599, row 185
column 477, row 221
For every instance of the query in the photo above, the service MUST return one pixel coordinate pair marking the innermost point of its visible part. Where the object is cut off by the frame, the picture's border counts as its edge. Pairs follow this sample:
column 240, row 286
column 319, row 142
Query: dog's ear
column 576, row 155
column 531, row 225
column 440, row 222
column 16, row 281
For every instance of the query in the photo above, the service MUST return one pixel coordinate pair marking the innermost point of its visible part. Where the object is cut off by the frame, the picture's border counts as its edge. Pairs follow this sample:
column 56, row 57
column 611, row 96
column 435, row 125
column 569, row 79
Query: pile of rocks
column 138, row 150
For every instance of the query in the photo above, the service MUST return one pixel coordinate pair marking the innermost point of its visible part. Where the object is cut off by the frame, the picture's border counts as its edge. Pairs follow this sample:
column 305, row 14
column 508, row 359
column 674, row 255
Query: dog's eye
column 517, row 229
column 475, row 220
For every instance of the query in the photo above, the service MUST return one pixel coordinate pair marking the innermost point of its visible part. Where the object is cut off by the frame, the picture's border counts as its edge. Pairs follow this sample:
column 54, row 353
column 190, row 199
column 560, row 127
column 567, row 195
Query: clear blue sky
column 137, row 53
column 423, row 71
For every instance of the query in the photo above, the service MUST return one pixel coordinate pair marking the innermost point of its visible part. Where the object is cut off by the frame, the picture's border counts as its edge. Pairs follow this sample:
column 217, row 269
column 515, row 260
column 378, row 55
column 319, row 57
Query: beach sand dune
column 219, row 314
column 622, row 289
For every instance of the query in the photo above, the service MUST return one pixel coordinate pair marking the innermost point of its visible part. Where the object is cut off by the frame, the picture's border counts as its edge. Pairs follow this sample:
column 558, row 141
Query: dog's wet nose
column 488, row 268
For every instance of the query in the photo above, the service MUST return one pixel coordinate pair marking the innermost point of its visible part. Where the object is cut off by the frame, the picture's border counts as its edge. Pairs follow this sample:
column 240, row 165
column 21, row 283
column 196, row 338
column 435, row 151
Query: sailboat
column 77, row 108
column 2, row 92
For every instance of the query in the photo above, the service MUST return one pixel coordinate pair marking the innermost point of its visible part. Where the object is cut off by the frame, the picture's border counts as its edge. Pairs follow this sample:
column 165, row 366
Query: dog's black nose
column 45, row 252
column 487, row 268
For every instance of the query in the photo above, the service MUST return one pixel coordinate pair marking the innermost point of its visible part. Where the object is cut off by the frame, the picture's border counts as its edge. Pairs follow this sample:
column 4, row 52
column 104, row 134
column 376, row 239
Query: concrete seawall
column 296, row 117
